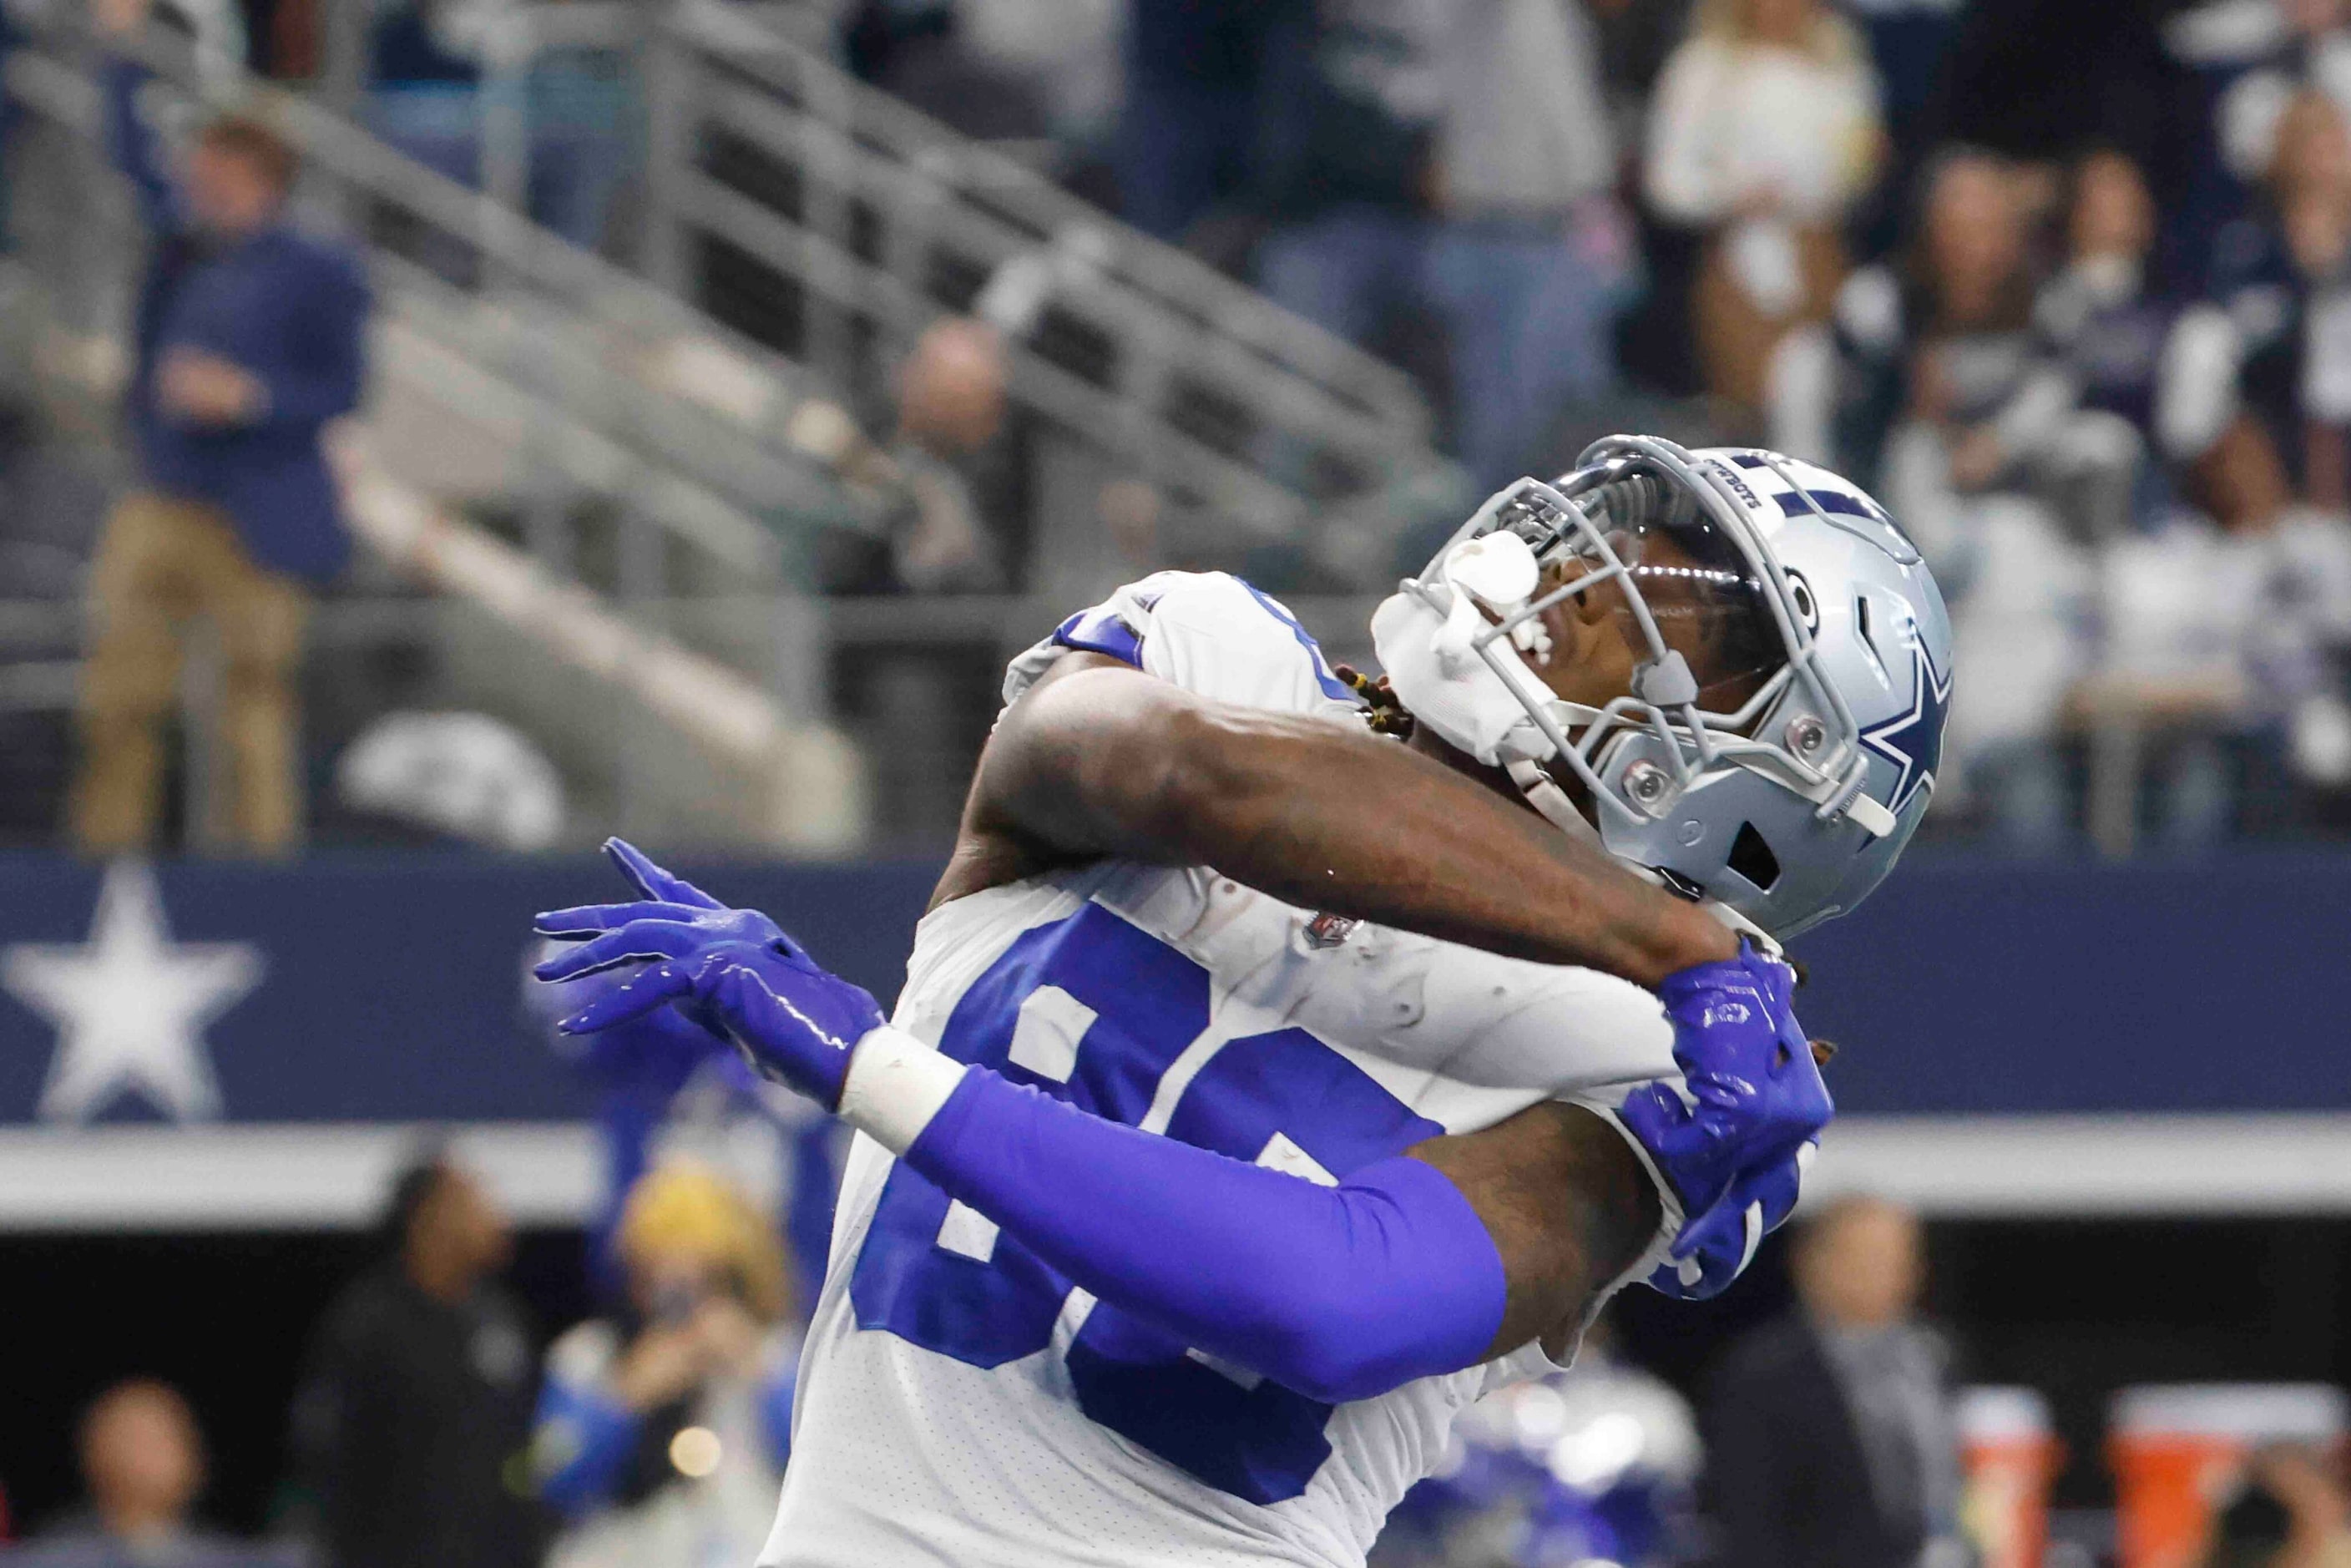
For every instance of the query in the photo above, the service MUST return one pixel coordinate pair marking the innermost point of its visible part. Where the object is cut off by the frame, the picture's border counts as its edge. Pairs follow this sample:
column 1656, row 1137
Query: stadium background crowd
column 2067, row 284
column 2070, row 309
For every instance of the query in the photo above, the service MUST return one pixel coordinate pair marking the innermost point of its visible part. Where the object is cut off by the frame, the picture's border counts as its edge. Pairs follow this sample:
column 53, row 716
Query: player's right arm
column 1099, row 758
column 1425, row 1262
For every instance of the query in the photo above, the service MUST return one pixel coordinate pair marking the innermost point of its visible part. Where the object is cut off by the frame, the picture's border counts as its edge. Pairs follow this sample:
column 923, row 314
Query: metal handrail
column 882, row 193
column 954, row 168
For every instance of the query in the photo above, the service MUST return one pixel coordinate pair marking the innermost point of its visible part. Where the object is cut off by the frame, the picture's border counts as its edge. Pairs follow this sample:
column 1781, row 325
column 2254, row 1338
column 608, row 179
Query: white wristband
column 896, row 1083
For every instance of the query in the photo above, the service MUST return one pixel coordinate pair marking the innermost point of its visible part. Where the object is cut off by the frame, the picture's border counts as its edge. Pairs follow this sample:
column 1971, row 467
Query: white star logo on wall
column 130, row 1005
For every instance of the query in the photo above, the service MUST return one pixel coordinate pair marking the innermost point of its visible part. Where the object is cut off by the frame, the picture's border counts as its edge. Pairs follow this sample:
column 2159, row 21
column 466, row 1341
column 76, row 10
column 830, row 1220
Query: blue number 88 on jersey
column 1093, row 1010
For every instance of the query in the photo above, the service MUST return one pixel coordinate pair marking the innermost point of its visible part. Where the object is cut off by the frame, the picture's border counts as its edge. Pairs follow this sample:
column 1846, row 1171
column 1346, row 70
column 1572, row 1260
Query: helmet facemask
column 1692, row 577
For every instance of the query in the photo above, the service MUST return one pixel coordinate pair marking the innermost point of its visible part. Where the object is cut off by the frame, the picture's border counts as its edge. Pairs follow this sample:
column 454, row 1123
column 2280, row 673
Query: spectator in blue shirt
column 663, row 1426
column 247, row 342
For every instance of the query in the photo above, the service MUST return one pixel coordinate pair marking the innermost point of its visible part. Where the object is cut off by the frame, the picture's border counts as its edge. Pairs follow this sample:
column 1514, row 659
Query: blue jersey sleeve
column 1338, row 1292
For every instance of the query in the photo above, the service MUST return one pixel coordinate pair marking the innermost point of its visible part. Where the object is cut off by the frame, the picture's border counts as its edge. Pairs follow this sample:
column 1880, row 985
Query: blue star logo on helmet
column 1913, row 741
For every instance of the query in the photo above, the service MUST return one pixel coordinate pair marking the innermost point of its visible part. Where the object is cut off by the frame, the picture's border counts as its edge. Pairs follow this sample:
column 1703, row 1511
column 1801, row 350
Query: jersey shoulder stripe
column 1101, row 629
column 1208, row 632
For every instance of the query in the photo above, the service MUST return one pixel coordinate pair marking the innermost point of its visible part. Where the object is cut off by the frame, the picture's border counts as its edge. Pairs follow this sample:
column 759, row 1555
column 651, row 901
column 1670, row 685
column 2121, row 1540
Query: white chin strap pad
column 1440, row 677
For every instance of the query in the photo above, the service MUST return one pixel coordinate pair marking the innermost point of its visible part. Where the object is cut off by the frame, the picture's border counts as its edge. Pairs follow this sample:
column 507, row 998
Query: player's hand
column 1715, row 1248
column 670, row 918
column 1754, row 1099
column 732, row 970
column 653, row 1056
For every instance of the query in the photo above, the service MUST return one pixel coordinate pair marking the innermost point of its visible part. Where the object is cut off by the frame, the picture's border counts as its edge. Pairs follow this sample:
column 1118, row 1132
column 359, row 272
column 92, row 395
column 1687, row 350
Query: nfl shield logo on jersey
column 1326, row 931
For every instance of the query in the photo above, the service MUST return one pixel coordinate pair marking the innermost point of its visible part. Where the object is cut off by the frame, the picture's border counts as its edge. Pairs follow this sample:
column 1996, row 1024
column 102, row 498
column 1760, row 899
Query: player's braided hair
column 1383, row 711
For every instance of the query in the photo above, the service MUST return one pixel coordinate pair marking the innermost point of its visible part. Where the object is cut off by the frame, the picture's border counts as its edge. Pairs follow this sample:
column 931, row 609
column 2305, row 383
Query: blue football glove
column 1712, row 1250
column 652, row 1057
column 1755, row 1100
column 732, row 971
column 655, row 1055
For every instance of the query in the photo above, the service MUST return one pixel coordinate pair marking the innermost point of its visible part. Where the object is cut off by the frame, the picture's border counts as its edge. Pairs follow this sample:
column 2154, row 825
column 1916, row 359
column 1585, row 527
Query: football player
column 1263, row 1091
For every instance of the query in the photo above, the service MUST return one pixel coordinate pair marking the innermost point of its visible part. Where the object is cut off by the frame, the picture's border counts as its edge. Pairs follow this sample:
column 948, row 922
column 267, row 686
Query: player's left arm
column 1425, row 1262
column 1567, row 1207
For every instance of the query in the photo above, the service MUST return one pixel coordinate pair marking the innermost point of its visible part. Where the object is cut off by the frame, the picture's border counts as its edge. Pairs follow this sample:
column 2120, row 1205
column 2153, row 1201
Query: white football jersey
column 961, row 1403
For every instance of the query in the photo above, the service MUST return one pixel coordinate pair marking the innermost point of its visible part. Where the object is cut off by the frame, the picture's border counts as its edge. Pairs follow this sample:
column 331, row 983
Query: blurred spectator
column 2110, row 329
column 2292, row 1512
column 1456, row 160
column 1186, row 132
column 1942, row 350
column 669, row 1090
column 1344, row 160
column 1763, row 132
column 1945, row 335
column 998, row 71
column 951, row 477
column 2178, row 600
column 412, row 1423
column 951, row 409
column 2214, row 634
column 424, row 86
column 664, row 1427
column 2180, row 606
column 1532, row 256
column 427, row 59
column 249, row 343
column 2285, row 47
column 1829, row 1436
column 2279, row 278
column 1593, row 1464
column 142, row 1464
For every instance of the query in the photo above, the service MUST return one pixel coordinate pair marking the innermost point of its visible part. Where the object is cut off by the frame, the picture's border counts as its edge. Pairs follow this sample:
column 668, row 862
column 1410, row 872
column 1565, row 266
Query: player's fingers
column 590, row 919
column 630, row 999
column 1779, row 1202
column 1775, row 1193
column 1694, row 1235
column 651, row 880
column 1720, row 1230
column 639, row 941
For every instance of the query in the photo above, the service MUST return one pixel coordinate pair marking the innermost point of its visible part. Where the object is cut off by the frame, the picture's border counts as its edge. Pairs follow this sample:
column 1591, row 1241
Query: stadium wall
column 217, row 1044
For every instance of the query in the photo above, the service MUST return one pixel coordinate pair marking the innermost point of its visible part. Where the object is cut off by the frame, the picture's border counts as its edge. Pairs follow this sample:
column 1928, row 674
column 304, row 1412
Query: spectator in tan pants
column 249, row 343
column 165, row 561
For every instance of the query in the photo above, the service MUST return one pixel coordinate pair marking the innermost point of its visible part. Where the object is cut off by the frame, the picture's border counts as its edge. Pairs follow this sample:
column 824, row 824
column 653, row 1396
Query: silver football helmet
column 1785, row 786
